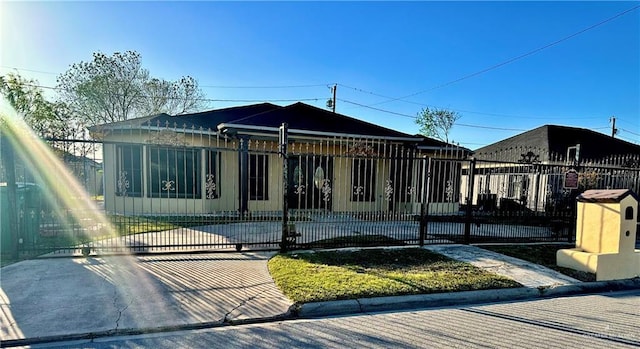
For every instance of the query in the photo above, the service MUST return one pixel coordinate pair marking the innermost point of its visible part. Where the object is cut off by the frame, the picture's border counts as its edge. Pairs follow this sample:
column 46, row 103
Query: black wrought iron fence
column 527, row 201
column 162, row 188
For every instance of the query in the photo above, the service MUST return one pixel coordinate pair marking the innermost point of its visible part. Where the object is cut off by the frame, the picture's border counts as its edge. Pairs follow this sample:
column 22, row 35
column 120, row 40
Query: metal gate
column 159, row 193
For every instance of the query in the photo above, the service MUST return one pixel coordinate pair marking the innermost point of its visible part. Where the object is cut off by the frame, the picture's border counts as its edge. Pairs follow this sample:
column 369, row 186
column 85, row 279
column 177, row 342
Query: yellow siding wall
column 341, row 195
column 228, row 181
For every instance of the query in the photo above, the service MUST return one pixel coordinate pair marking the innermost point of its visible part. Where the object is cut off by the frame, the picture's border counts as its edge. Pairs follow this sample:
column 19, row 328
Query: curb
column 365, row 305
column 590, row 287
column 141, row 331
column 368, row 305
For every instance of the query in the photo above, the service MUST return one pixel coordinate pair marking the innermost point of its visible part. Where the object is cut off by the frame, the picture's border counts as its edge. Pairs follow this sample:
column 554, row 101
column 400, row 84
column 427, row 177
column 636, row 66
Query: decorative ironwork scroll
column 210, row 186
column 123, row 183
column 167, row 137
column 326, row 190
column 388, row 190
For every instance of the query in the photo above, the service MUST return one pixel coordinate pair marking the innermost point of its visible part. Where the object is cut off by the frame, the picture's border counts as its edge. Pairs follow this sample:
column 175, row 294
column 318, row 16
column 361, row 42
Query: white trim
column 224, row 126
column 446, row 148
column 431, row 147
column 156, row 128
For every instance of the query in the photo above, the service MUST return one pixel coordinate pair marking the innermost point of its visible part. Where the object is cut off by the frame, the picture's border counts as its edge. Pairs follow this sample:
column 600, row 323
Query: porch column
column 243, row 178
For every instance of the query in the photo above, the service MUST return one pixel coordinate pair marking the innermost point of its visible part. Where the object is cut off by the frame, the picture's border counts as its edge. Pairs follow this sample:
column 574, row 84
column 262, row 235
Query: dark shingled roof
column 302, row 116
column 556, row 139
column 298, row 116
column 207, row 120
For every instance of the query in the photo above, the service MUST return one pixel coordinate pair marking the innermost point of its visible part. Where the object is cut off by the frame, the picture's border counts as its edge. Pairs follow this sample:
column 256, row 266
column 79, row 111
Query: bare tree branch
column 437, row 123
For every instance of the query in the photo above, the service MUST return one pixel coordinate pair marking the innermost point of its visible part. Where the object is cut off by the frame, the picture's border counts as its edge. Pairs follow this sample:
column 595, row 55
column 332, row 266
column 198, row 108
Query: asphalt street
column 605, row 320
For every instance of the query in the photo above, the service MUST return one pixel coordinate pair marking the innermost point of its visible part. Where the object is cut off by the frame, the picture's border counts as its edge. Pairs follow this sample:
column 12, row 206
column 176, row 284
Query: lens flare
column 58, row 182
column 69, row 198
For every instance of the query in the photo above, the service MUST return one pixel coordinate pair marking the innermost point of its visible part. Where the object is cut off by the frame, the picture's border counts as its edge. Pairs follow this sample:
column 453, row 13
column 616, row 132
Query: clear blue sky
column 370, row 49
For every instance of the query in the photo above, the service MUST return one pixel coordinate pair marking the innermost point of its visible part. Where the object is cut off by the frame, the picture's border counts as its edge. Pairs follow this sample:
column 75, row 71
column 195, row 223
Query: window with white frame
column 129, row 170
column 258, row 177
column 174, row 173
column 363, row 179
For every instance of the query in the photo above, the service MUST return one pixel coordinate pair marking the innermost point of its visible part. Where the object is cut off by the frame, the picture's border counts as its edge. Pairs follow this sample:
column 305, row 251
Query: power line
column 472, row 111
column 42, row 86
column 251, row 116
column 379, row 95
column 29, row 70
column 415, row 117
column 528, row 117
column 255, row 100
column 635, row 141
column 262, row 87
column 317, row 99
column 378, row 109
column 201, row 86
column 626, row 122
column 511, row 60
column 490, row 128
column 633, row 133
column 209, row 99
column 472, row 143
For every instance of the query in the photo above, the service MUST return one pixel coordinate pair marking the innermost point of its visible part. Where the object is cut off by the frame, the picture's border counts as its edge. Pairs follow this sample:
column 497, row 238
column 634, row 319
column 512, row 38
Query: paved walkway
column 49, row 298
column 527, row 274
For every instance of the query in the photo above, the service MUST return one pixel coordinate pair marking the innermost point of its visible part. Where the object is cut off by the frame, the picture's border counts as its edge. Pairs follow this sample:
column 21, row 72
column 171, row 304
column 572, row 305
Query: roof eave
column 224, row 127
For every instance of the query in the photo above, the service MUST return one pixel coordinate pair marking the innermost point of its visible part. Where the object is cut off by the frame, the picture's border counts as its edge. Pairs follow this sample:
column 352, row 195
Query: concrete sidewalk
column 61, row 297
column 55, row 299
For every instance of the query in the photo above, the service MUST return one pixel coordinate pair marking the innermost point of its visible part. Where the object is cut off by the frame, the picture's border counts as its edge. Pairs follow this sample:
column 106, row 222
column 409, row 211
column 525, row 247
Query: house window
column 258, row 177
column 174, row 173
column 363, row 179
column 129, row 170
column 517, row 187
column 212, row 175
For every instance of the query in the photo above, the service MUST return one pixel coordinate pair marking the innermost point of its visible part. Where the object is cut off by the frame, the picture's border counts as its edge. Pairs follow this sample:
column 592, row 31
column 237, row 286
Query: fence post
column 282, row 152
column 424, row 207
column 469, row 213
column 7, row 155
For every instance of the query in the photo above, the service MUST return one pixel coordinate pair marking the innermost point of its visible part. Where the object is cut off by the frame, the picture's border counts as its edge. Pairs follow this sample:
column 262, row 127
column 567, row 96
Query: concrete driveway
column 63, row 296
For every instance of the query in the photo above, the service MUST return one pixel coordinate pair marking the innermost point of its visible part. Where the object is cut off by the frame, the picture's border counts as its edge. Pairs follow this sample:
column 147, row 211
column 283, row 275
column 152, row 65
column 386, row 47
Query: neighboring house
column 528, row 170
column 86, row 171
column 227, row 160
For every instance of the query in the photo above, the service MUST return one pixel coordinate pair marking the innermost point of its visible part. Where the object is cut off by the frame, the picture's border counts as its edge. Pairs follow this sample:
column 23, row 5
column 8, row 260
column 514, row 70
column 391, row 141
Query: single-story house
column 228, row 160
column 529, row 169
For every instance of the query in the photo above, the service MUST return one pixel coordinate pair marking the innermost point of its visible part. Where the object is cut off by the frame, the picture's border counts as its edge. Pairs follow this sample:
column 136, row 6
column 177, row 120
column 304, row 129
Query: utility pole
column 331, row 103
column 614, row 130
column 335, row 88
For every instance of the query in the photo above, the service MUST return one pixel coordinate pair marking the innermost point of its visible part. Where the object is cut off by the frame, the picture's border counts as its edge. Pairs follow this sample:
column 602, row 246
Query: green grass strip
column 335, row 275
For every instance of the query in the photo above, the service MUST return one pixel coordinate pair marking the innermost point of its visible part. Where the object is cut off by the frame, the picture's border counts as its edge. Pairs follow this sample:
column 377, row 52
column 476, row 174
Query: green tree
column 117, row 87
column 436, row 122
column 47, row 119
column 178, row 97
